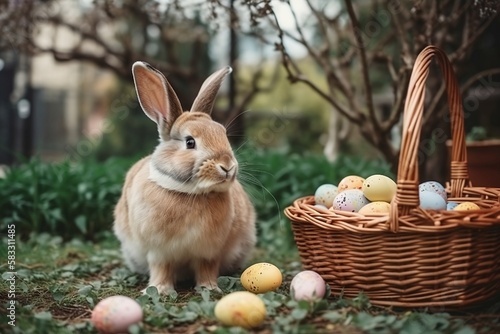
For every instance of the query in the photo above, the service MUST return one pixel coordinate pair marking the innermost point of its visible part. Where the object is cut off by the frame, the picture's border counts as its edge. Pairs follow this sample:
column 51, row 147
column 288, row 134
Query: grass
column 58, row 283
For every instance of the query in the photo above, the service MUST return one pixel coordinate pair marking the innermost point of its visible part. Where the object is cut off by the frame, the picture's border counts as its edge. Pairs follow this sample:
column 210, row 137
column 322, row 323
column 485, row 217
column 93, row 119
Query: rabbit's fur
column 182, row 213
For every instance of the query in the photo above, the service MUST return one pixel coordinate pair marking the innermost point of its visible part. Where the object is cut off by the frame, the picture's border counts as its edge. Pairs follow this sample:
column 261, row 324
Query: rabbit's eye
column 190, row 143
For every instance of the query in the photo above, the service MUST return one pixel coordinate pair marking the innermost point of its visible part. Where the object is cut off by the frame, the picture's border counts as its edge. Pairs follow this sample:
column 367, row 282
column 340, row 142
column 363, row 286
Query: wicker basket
column 410, row 257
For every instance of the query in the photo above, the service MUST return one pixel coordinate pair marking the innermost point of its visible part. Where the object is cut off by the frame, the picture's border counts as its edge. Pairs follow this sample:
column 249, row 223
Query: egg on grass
column 307, row 285
column 116, row 314
column 261, row 277
column 240, row 308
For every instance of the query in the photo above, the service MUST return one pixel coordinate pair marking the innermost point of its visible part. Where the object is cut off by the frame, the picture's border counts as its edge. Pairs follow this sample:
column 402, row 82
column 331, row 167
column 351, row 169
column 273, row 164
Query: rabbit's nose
column 226, row 170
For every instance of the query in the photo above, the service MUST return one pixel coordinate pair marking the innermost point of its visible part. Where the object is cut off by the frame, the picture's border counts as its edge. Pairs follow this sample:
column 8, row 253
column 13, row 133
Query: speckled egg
column 465, row 206
column 115, row 314
column 375, row 207
column 240, row 308
column 430, row 200
column 351, row 182
column 307, row 285
column 435, row 187
column 350, row 200
column 451, row 205
column 261, row 277
column 325, row 194
column 379, row 188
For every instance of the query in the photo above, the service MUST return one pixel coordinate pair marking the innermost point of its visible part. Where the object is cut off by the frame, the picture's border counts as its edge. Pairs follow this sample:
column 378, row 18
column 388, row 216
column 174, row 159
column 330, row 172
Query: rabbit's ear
column 156, row 97
column 205, row 100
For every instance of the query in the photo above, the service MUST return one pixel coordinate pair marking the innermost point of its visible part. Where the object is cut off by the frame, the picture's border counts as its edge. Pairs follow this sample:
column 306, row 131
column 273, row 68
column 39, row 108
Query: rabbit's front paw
column 209, row 286
column 206, row 274
column 163, row 289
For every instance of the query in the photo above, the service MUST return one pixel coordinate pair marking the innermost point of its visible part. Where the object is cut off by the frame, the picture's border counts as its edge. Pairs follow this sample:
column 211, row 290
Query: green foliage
column 278, row 129
column 275, row 179
column 133, row 135
column 65, row 199
column 477, row 133
column 275, row 118
column 77, row 199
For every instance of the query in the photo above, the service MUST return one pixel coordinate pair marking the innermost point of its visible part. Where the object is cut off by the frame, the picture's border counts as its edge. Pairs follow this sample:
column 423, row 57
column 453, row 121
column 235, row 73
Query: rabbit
column 182, row 214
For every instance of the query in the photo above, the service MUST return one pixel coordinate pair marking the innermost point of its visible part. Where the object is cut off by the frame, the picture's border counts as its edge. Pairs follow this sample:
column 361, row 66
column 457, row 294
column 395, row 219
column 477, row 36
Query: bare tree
column 112, row 35
column 16, row 23
column 355, row 46
column 174, row 36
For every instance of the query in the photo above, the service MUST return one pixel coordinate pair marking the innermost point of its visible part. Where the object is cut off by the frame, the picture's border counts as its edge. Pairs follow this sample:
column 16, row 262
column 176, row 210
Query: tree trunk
column 332, row 145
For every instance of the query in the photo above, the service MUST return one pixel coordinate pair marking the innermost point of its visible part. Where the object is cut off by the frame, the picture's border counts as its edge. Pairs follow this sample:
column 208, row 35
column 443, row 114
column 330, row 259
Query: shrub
column 69, row 200
column 275, row 179
column 62, row 199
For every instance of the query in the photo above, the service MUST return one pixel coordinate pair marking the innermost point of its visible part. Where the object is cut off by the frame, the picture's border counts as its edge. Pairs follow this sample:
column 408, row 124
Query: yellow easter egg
column 465, row 206
column 379, row 188
column 240, row 308
column 261, row 277
column 375, row 207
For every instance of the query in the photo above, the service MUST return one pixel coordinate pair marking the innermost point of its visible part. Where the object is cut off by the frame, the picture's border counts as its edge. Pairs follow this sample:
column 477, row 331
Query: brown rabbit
column 182, row 212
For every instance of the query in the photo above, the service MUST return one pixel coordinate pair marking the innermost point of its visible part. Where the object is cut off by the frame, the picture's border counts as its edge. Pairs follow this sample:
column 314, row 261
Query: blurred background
column 317, row 91
column 300, row 80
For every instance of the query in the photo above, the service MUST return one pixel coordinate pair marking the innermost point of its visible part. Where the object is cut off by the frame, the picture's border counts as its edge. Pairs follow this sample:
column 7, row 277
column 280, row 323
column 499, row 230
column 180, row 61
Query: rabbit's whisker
column 247, row 178
column 231, row 122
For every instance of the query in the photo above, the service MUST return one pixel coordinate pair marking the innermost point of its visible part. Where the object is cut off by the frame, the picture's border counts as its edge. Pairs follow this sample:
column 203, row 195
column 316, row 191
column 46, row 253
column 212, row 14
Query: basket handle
column 407, row 195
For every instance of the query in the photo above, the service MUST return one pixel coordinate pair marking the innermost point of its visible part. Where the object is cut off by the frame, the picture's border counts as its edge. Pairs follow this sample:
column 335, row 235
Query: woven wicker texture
column 411, row 257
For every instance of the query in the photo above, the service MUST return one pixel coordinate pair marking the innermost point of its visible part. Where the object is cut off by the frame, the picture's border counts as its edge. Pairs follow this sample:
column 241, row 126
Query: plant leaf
column 81, row 223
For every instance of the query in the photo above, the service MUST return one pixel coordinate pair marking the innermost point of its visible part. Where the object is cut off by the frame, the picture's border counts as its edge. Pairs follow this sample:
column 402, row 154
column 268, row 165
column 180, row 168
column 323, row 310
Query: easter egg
column 379, row 188
column 451, row 205
column 240, row 308
column 351, row 182
column 434, row 187
column 307, row 285
column 430, row 200
column 350, row 200
column 465, row 206
column 325, row 194
column 115, row 314
column 261, row 277
column 375, row 207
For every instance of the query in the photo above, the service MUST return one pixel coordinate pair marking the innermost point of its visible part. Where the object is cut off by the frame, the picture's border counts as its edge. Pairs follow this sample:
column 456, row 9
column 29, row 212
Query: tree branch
column 403, row 41
column 400, row 90
column 288, row 62
column 477, row 76
column 100, row 61
column 254, row 89
column 460, row 53
column 331, row 64
column 364, row 65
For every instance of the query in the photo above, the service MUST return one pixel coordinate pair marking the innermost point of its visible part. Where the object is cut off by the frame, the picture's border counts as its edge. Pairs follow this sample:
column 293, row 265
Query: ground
column 58, row 283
